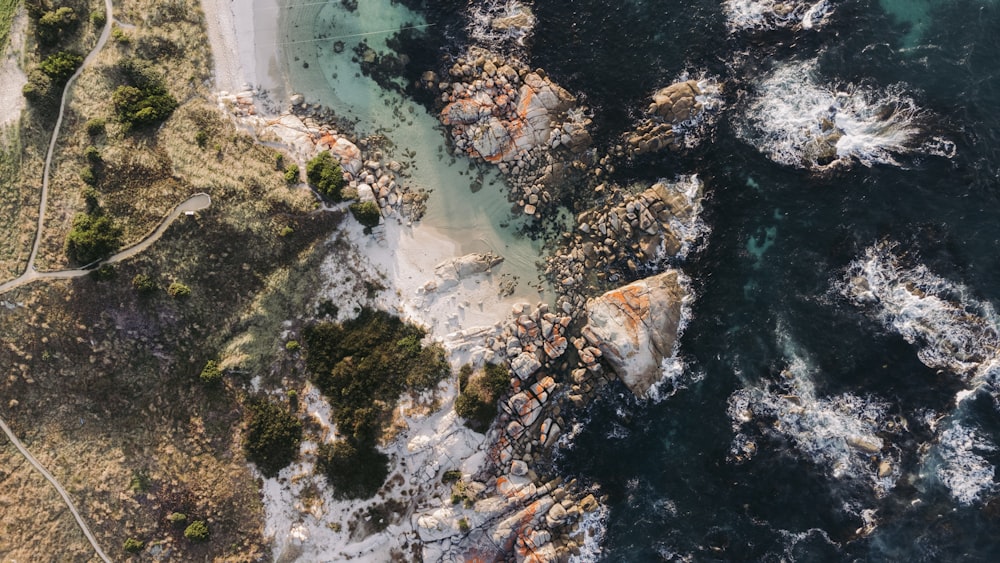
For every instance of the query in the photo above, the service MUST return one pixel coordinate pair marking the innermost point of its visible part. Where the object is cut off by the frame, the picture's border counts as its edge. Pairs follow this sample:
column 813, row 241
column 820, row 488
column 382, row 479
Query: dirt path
column 55, row 484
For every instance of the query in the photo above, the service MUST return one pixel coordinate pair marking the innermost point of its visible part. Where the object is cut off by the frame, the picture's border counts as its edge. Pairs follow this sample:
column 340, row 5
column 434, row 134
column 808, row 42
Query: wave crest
column 798, row 121
column 772, row 14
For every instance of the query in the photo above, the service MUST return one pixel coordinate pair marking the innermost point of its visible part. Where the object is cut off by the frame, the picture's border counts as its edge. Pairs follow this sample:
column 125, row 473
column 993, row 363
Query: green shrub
column 354, row 471
column 211, row 373
column 56, row 24
column 463, row 525
column 143, row 284
column 98, row 18
column 272, row 436
column 451, row 476
column 60, row 66
column 292, row 174
column 35, row 90
column 178, row 290
column 92, row 237
column 144, row 100
column 201, row 137
column 95, row 126
column 177, row 519
column 285, row 231
column 197, row 531
column 477, row 399
column 367, row 213
column 325, row 176
column 119, row 35
column 292, row 346
column 92, row 154
column 88, row 176
column 133, row 545
column 91, row 199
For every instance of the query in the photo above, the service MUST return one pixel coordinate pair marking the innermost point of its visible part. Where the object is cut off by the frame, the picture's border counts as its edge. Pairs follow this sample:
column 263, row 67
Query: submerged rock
column 635, row 327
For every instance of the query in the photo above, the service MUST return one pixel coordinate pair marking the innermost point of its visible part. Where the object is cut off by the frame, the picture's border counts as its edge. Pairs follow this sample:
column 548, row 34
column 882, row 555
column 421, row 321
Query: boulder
column 635, row 327
column 451, row 271
column 524, row 365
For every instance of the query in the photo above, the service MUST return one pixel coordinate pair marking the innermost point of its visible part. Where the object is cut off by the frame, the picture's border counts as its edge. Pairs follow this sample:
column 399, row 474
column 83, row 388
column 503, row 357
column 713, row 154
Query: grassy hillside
column 7, row 9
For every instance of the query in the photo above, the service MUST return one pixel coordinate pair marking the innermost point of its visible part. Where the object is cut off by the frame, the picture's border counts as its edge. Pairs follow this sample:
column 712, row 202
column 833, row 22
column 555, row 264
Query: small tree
column 272, row 436
column 55, row 24
column 211, row 373
column 178, row 290
column 133, row 545
column 92, row 237
column 177, row 519
column 366, row 213
column 292, row 174
column 197, row 531
column 325, row 176
column 143, row 284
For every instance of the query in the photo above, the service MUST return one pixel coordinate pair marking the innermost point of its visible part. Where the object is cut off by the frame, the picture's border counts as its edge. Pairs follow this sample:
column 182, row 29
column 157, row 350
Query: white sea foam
column 700, row 126
column 676, row 374
column 959, row 467
column 691, row 230
column 840, row 433
column 797, row 120
column 495, row 22
column 594, row 526
column 951, row 329
column 771, row 14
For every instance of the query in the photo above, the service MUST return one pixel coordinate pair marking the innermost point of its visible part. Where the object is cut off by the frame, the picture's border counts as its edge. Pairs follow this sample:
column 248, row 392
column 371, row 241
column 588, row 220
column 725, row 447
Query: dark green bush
column 362, row 367
column 367, row 213
column 197, row 531
column 88, row 176
column 93, row 155
column 272, row 436
column 56, row 24
column 355, row 471
column 477, row 399
column 211, row 373
column 177, row 519
column 95, row 126
column 201, row 137
column 292, row 174
column 143, row 283
column 38, row 88
column 451, row 476
column 92, row 237
column 325, row 176
column 133, row 545
column 60, row 66
column 98, row 18
column 144, row 100
column 178, row 290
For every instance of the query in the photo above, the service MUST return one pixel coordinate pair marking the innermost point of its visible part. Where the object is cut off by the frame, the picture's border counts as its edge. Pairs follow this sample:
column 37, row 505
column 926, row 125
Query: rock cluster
column 304, row 130
column 628, row 235
column 449, row 273
column 494, row 22
column 500, row 111
column 634, row 328
column 677, row 118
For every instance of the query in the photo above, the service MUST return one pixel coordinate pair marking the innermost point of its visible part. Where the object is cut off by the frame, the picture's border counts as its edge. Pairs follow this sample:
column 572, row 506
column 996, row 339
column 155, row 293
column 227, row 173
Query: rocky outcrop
column 500, row 111
column 679, row 116
column 630, row 234
column 450, row 272
column 304, row 130
column 635, row 327
column 495, row 22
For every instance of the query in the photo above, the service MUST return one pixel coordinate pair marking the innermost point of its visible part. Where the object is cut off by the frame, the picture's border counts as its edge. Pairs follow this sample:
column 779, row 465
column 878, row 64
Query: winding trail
column 59, row 488
column 194, row 203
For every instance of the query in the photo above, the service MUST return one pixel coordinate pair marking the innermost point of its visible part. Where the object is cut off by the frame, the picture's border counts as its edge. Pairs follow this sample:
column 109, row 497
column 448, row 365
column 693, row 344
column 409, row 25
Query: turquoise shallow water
column 771, row 316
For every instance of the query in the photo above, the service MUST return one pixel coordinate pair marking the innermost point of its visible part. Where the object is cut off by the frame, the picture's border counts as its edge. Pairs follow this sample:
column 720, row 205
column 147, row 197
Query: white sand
column 11, row 76
column 243, row 36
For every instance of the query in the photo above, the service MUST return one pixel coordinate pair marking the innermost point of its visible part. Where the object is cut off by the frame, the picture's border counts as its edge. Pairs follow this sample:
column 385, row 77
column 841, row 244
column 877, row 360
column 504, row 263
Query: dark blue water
column 673, row 490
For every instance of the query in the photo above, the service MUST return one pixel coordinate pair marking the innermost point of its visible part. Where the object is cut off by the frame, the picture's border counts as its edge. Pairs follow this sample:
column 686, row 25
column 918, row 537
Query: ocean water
column 843, row 403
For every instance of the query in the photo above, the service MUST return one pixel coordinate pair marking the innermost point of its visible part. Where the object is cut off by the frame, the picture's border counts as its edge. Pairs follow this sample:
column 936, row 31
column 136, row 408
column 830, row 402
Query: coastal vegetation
column 271, row 436
column 478, row 394
column 325, row 176
column 362, row 367
column 7, row 10
column 134, row 352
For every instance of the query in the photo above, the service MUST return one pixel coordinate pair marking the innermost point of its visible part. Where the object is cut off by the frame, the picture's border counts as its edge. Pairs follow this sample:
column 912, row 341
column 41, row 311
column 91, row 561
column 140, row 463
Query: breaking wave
column 843, row 433
column 772, row 14
column 958, row 465
column 496, row 22
column 798, row 121
column 951, row 329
